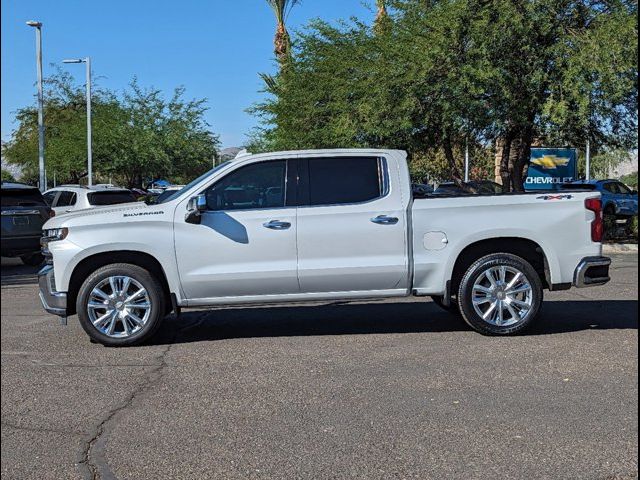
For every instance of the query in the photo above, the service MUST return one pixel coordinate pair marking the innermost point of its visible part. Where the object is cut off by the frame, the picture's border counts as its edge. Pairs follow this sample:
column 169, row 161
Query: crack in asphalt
column 93, row 459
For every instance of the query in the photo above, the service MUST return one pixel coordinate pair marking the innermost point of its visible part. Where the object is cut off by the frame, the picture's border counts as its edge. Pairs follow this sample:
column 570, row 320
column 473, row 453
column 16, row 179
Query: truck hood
column 107, row 214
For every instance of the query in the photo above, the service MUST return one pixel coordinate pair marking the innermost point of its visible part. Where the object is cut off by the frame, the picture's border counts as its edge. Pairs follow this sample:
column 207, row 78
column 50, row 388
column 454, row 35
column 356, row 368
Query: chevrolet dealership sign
column 551, row 167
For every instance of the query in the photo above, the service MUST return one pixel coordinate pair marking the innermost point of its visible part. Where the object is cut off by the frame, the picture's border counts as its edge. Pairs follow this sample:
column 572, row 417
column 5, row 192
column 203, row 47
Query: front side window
column 260, row 185
column 66, row 199
column 623, row 189
column 344, row 180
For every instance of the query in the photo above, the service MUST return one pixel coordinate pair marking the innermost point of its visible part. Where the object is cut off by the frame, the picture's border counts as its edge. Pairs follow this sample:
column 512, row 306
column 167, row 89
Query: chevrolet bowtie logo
column 549, row 162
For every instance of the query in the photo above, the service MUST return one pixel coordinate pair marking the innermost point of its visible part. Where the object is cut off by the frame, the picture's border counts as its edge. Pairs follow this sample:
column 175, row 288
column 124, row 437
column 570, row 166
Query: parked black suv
column 24, row 211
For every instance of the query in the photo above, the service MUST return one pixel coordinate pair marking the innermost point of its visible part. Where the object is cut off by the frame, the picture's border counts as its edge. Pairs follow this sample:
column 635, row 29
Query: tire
column 121, row 323
column 610, row 224
column 452, row 308
column 497, row 313
column 32, row 259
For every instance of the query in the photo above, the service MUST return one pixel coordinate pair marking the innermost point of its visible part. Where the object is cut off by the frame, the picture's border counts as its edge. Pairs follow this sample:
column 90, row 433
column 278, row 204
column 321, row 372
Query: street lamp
column 87, row 62
column 42, row 175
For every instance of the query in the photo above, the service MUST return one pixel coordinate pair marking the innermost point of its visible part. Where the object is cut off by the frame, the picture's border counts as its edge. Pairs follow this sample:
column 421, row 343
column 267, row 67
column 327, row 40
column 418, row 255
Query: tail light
column 597, row 226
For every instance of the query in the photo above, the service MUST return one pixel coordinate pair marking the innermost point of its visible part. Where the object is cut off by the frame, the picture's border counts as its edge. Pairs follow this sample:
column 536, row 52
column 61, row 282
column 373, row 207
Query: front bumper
column 52, row 301
column 592, row 271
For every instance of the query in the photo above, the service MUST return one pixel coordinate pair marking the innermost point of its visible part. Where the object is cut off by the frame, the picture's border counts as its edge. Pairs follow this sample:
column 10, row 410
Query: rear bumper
column 591, row 272
column 52, row 301
column 16, row 246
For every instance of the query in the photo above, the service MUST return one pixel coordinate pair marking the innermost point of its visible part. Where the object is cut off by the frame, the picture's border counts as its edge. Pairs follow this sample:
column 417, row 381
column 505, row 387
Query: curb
column 620, row 248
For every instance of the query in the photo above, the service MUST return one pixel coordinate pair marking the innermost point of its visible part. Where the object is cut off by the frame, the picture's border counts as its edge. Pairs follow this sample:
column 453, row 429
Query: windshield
column 191, row 184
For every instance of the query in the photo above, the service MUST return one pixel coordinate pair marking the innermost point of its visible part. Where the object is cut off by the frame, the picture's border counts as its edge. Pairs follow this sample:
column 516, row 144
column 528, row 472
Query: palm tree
column 381, row 23
column 282, row 41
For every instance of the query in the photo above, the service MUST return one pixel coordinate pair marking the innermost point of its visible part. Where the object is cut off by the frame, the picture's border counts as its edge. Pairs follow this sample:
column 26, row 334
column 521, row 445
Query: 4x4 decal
column 554, row 197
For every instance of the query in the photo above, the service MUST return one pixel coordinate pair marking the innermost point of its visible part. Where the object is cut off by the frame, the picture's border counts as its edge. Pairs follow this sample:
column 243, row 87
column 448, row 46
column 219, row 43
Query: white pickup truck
column 314, row 226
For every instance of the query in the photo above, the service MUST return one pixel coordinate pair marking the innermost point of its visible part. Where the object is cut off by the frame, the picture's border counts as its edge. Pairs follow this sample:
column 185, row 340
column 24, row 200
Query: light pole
column 588, row 161
column 87, row 62
column 42, row 176
column 466, row 160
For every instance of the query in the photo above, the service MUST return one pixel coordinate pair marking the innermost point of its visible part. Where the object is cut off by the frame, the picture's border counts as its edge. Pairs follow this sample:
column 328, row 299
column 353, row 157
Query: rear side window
column 110, row 198
column 66, row 199
column 49, row 198
column 27, row 197
column 344, row 180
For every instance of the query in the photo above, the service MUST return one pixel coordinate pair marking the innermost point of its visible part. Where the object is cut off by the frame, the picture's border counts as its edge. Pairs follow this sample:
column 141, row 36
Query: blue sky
column 214, row 48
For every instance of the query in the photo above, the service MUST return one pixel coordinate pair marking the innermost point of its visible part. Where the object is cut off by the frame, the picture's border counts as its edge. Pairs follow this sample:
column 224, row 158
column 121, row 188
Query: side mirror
column 196, row 206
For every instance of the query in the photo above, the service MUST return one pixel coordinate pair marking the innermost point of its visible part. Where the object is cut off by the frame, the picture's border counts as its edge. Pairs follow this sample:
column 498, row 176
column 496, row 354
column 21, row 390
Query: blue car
column 617, row 198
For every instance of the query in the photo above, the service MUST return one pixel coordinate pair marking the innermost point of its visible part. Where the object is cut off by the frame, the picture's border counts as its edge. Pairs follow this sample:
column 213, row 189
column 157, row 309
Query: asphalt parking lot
column 393, row 389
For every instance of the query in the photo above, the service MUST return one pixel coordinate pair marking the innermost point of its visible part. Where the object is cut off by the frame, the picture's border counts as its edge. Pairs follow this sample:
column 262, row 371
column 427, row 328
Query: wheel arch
column 91, row 263
column 525, row 248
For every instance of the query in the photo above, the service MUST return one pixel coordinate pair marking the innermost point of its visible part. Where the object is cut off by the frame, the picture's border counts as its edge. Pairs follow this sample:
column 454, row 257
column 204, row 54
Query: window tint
column 66, row 199
column 49, row 197
column 610, row 187
column 343, row 180
column 110, row 198
column 261, row 185
column 23, row 197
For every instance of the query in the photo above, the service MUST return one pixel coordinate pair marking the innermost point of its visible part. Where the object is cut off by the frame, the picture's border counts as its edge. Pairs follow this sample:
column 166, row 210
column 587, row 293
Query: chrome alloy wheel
column 119, row 306
column 502, row 296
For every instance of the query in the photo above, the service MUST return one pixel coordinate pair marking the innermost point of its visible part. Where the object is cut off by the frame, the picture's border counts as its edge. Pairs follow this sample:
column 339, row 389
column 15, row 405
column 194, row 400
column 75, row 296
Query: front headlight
column 53, row 234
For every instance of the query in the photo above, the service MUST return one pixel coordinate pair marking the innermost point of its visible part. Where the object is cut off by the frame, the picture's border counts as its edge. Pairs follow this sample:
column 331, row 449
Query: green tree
column 7, row 176
column 506, row 73
column 137, row 136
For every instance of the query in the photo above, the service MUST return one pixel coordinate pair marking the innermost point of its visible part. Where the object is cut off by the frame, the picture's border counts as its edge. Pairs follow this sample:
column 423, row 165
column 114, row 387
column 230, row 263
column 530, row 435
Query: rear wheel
column 500, row 294
column 120, row 305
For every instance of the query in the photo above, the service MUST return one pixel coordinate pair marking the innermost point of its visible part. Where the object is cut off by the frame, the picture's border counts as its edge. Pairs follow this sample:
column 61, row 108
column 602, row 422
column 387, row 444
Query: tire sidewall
column 465, row 293
column 154, row 290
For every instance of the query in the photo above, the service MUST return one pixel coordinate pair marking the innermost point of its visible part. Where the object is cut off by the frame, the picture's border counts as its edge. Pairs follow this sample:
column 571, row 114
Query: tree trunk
column 282, row 44
column 504, row 163
column 455, row 172
column 522, row 160
column 382, row 21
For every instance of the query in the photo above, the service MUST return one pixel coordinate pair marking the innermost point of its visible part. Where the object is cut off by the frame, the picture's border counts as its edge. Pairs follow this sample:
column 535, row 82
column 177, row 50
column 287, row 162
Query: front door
column 352, row 227
column 245, row 245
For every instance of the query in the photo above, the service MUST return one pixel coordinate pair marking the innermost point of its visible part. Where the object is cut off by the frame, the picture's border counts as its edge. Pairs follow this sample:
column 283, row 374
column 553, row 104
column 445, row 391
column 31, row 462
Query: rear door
column 65, row 202
column 352, row 226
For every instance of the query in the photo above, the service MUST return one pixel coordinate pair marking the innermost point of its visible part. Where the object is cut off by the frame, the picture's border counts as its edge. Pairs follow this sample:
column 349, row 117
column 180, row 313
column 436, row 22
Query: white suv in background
column 69, row 198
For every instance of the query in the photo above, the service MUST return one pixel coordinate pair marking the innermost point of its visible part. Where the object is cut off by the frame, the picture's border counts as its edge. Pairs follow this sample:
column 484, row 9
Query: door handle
column 277, row 225
column 385, row 220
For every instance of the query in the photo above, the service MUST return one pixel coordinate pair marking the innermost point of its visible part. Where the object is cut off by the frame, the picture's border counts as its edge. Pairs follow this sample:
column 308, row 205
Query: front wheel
column 500, row 294
column 120, row 305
